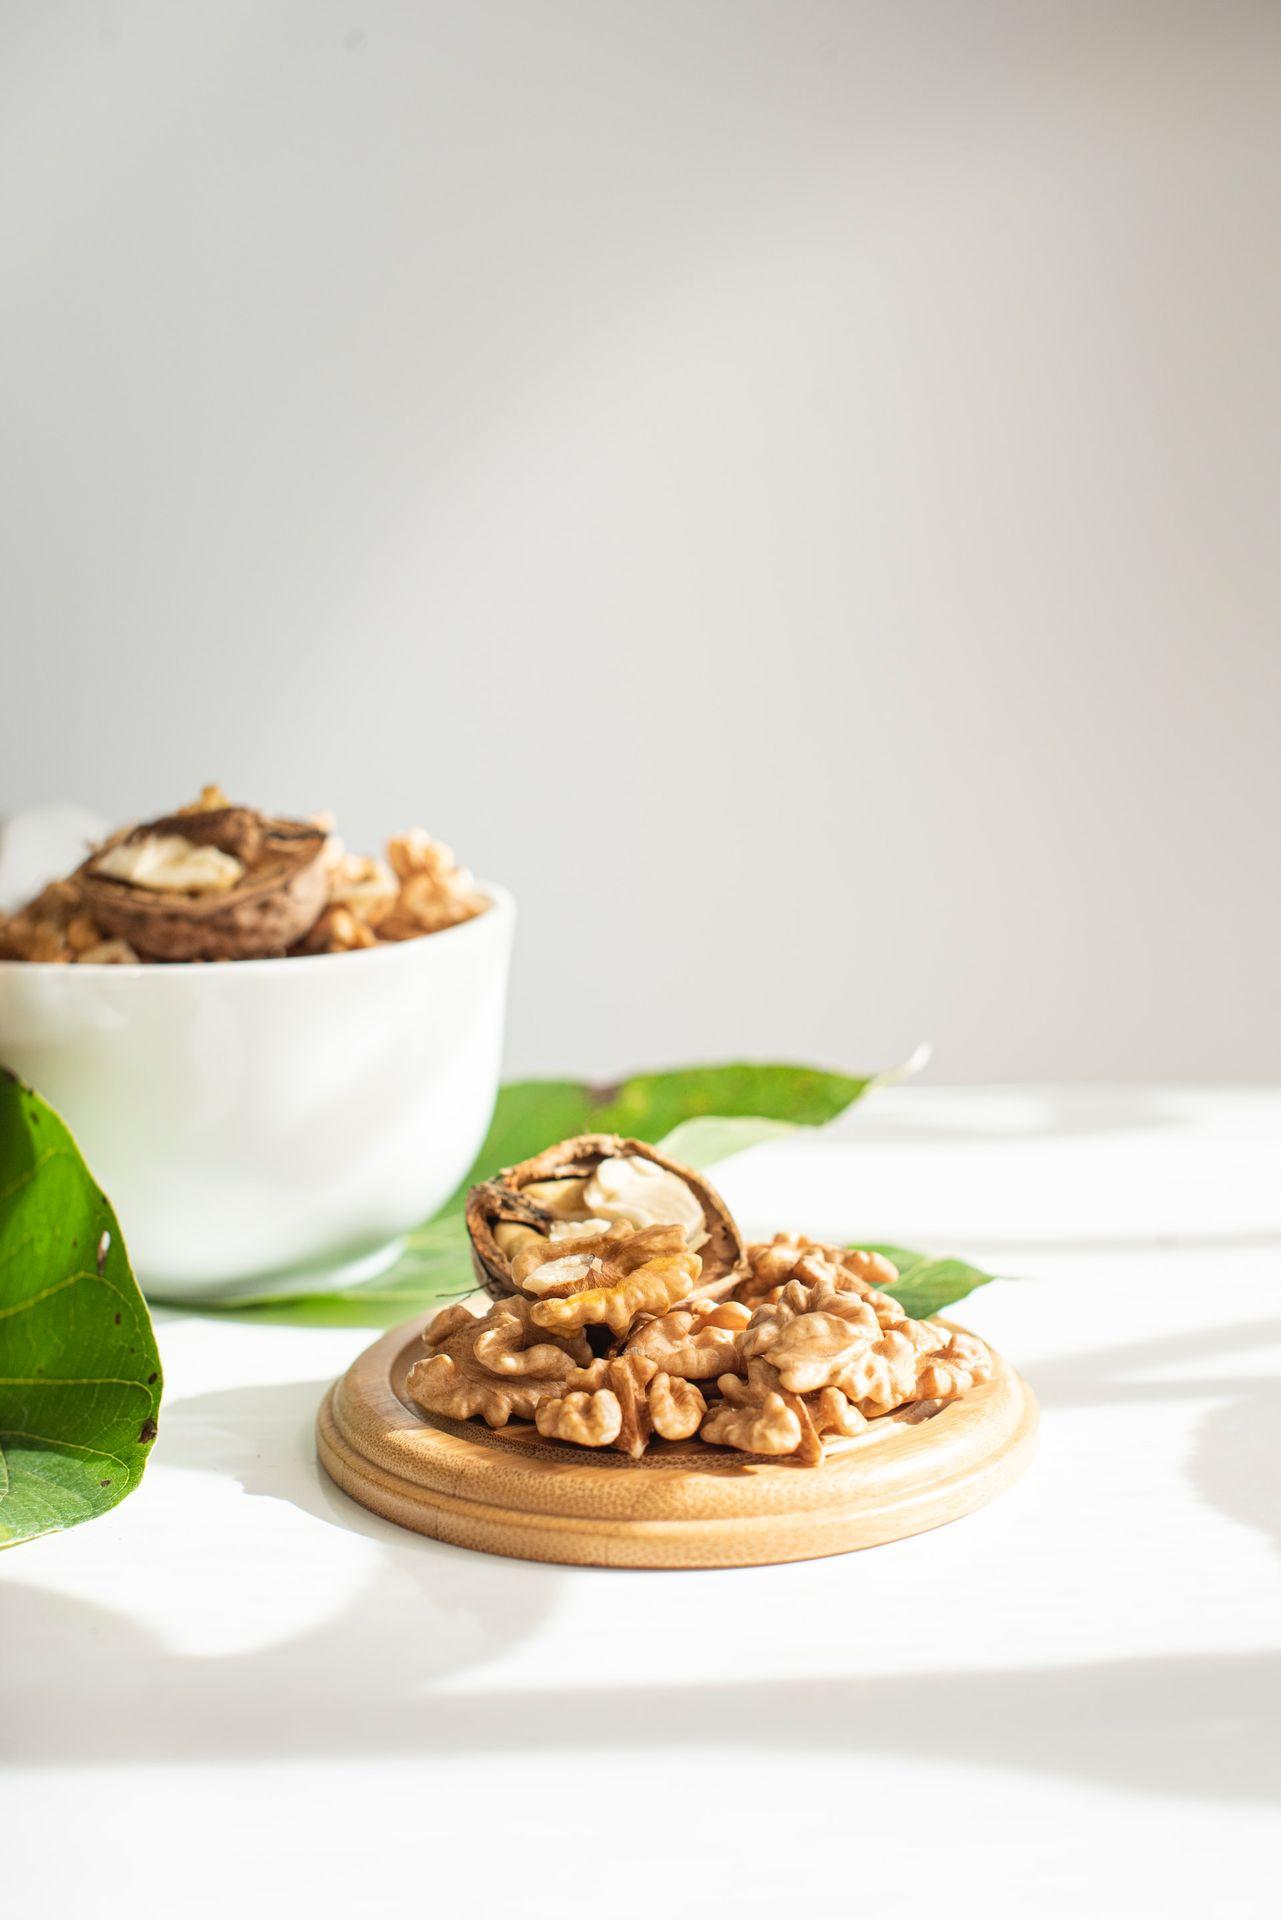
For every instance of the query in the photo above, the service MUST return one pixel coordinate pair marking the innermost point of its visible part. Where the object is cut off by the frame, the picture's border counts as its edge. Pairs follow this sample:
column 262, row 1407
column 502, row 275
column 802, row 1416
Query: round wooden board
column 686, row 1505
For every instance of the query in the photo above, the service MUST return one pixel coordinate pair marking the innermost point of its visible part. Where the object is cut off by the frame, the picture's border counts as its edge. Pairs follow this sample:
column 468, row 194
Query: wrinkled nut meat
column 590, row 1188
column 754, row 1416
column 864, row 1346
column 790, row 1256
column 760, row 1415
column 676, row 1407
column 493, row 1368
column 220, row 882
column 606, row 1334
column 614, row 1280
column 830, row 1316
column 584, row 1419
column 692, row 1346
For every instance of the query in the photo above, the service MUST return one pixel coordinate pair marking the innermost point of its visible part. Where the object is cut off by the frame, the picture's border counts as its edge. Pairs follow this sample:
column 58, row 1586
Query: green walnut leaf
column 928, row 1282
column 532, row 1114
column 79, row 1372
column 435, row 1266
column 718, row 1109
column 705, row 1139
column 711, row 1138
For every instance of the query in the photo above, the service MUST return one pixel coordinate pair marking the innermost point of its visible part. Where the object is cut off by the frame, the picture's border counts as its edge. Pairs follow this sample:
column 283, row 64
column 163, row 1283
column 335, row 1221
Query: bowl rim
column 500, row 912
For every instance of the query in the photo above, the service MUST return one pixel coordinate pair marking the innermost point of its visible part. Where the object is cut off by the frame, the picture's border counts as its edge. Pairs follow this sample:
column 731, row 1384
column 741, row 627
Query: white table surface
column 241, row 1694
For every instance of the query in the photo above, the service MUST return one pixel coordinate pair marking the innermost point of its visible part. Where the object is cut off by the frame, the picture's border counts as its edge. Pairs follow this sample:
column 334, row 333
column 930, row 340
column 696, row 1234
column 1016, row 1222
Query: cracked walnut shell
column 585, row 1186
column 278, row 887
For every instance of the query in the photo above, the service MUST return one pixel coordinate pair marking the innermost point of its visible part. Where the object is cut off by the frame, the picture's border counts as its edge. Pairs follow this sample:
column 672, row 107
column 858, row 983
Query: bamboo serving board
column 684, row 1504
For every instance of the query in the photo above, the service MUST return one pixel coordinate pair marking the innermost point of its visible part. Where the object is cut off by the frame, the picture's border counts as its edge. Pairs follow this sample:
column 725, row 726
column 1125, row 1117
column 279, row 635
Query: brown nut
column 773, row 1264
column 274, row 902
column 689, row 1346
column 676, row 1407
column 549, row 1194
column 640, row 1274
column 831, row 1412
column 495, row 1367
column 949, row 1372
column 584, row 1418
column 760, row 1415
column 754, row 1417
column 629, row 1379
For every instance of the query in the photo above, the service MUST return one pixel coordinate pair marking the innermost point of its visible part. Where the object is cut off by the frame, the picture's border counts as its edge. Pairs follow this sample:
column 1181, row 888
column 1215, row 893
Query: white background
column 790, row 488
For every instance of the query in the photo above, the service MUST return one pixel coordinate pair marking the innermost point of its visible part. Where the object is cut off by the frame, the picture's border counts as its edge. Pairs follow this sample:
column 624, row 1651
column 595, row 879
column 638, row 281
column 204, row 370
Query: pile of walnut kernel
column 366, row 901
column 419, row 889
column 608, row 1344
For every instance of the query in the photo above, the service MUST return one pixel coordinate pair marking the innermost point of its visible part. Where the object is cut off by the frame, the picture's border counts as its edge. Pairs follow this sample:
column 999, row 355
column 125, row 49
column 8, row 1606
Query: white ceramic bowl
column 264, row 1122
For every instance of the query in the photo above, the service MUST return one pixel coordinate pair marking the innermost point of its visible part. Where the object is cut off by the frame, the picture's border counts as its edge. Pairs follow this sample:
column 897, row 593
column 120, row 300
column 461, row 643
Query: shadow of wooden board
column 684, row 1504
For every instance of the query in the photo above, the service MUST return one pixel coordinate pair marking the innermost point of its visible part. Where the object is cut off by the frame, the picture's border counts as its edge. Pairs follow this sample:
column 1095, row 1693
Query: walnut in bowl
column 282, row 1116
column 221, row 882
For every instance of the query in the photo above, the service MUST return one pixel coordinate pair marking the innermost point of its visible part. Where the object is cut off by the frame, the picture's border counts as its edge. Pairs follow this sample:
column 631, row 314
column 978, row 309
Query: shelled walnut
column 474, row 1366
column 689, row 1344
column 756, row 1416
column 790, row 1256
column 608, row 1335
column 842, row 1334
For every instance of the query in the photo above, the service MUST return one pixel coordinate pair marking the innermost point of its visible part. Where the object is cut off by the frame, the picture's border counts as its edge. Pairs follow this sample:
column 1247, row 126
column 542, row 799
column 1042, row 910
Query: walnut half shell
column 277, row 899
column 542, row 1198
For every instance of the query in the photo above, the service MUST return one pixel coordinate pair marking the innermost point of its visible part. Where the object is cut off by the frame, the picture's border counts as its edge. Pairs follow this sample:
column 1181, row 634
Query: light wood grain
column 683, row 1505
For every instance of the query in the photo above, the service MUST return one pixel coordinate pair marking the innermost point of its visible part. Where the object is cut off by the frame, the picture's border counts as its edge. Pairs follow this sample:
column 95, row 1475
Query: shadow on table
column 1201, row 1726
column 1016, row 1112
column 264, row 1437
column 993, row 1250
column 999, row 1115
column 87, row 1684
column 92, row 1684
column 1236, row 1463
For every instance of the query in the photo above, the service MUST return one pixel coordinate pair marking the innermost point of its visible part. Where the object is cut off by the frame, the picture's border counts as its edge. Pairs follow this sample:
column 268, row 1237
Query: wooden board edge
column 768, row 1538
